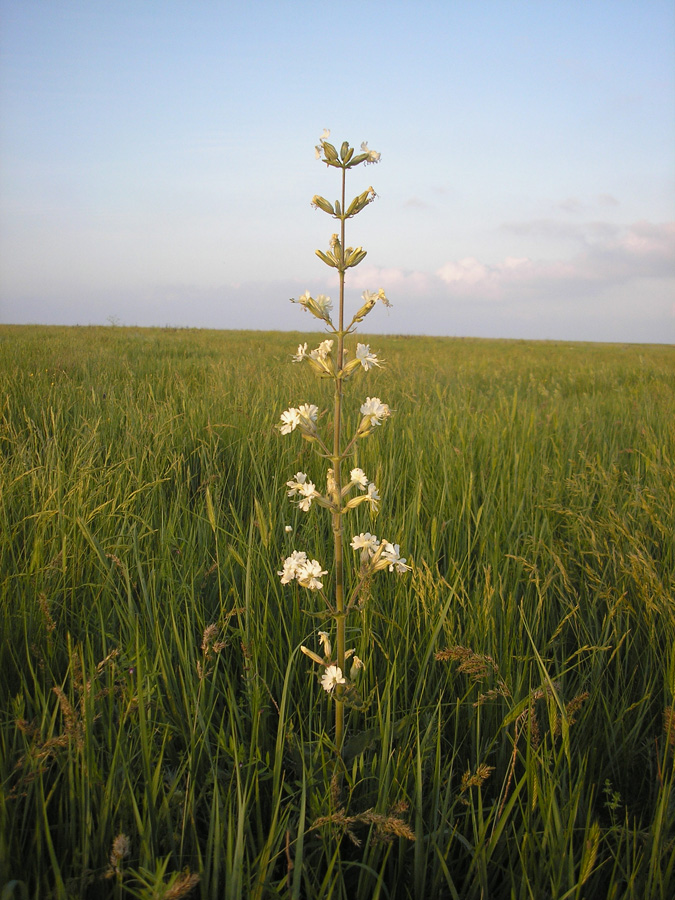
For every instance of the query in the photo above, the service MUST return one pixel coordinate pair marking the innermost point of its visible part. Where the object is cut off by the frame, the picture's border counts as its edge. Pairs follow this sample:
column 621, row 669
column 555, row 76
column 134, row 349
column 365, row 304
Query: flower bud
column 357, row 666
column 326, row 645
column 350, row 367
column 355, row 257
column 371, row 300
column 357, row 160
column 321, row 203
column 313, row 656
column 330, row 152
column 327, row 258
column 354, row 502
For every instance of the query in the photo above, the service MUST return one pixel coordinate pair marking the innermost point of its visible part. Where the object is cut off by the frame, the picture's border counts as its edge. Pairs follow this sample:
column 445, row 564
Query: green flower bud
column 313, row 656
column 344, row 150
column 330, row 152
column 357, row 160
column 350, row 367
column 327, row 258
column 355, row 257
column 321, row 203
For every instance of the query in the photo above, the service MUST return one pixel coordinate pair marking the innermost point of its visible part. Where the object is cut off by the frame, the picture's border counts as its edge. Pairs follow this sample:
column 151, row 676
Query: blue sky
column 158, row 163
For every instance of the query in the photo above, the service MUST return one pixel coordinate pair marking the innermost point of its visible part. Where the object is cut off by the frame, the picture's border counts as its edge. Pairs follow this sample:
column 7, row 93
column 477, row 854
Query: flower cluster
column 306, row 490
column 304, row 418
column 359, row 479
column 377, row 555
column 305, row 571
column 333, row 675
column 373, row 412
column 329, row 154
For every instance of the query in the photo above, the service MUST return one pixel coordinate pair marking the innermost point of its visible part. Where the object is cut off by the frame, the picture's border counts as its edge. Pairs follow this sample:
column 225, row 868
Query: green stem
column 337, row 515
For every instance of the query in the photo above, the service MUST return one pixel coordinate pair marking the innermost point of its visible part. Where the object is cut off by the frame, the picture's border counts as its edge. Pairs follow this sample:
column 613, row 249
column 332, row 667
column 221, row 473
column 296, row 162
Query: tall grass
column 521, row 683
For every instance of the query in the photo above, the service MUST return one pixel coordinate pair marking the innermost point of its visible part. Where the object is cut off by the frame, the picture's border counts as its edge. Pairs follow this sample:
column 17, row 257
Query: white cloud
column 608, row 255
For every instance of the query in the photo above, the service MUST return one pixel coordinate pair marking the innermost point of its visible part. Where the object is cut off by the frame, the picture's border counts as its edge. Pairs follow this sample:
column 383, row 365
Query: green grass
column 533, row 487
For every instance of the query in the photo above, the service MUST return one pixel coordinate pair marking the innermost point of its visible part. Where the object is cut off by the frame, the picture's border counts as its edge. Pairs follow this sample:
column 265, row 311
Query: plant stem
column 337, row 473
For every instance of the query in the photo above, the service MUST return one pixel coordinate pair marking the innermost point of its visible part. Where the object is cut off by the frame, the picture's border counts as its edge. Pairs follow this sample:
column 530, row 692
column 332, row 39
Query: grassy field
column 521, row 678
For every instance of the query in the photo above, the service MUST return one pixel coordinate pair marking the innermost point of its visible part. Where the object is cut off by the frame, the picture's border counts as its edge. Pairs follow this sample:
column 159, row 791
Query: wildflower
column 301, row 354
column 383, row 297
column 323, row 304
column 322, row 351
column 357, row 665
column 392, row 556
column 373, row 411
column 296, row 484
column 290, row 419
column 319, row 307
column 373, row 497
column 308, row 492
column 325, row 643
column 373, row 155
column 308, row 574
column 365, row 357
column 308, row 412
column 288, row 528
column 332, row 677
column 358, row 477
column 291, row 566
column 367, row 542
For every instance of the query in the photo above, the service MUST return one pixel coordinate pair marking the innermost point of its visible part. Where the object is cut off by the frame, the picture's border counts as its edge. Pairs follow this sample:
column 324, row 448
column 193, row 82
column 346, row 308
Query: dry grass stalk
column 387, row 827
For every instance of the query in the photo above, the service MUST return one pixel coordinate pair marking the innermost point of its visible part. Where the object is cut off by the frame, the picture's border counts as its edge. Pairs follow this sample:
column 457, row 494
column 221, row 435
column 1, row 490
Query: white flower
column 291, row 566
column 323, row 304
column 365, row 357
column 308, row 412
column 318, row 150
column 383, row 297
column 365, row 541
column 358, row 477
column 288, row 528
column 373, row 155
column 295, row 485
column 301, row 354
column 391, row 554
column 308, row 575
column 322, row 351
column 332, row 677
column 290, row 419
column 374, row 410
column 325, row 643
column 373, row 496
column 308, row 492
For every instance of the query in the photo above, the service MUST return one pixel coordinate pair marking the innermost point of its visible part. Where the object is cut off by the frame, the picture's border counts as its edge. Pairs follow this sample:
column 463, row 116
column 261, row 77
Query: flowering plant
column 331, row 359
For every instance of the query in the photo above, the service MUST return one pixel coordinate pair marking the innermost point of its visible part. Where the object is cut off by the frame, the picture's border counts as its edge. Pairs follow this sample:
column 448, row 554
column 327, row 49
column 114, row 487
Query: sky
column 157, row 163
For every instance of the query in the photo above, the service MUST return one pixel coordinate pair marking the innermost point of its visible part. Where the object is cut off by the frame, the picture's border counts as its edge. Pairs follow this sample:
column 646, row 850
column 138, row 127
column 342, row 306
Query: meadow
column 160, row 732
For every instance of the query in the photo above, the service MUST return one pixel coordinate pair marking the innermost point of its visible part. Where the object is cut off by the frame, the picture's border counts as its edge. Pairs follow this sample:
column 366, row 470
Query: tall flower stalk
column 340, row 366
